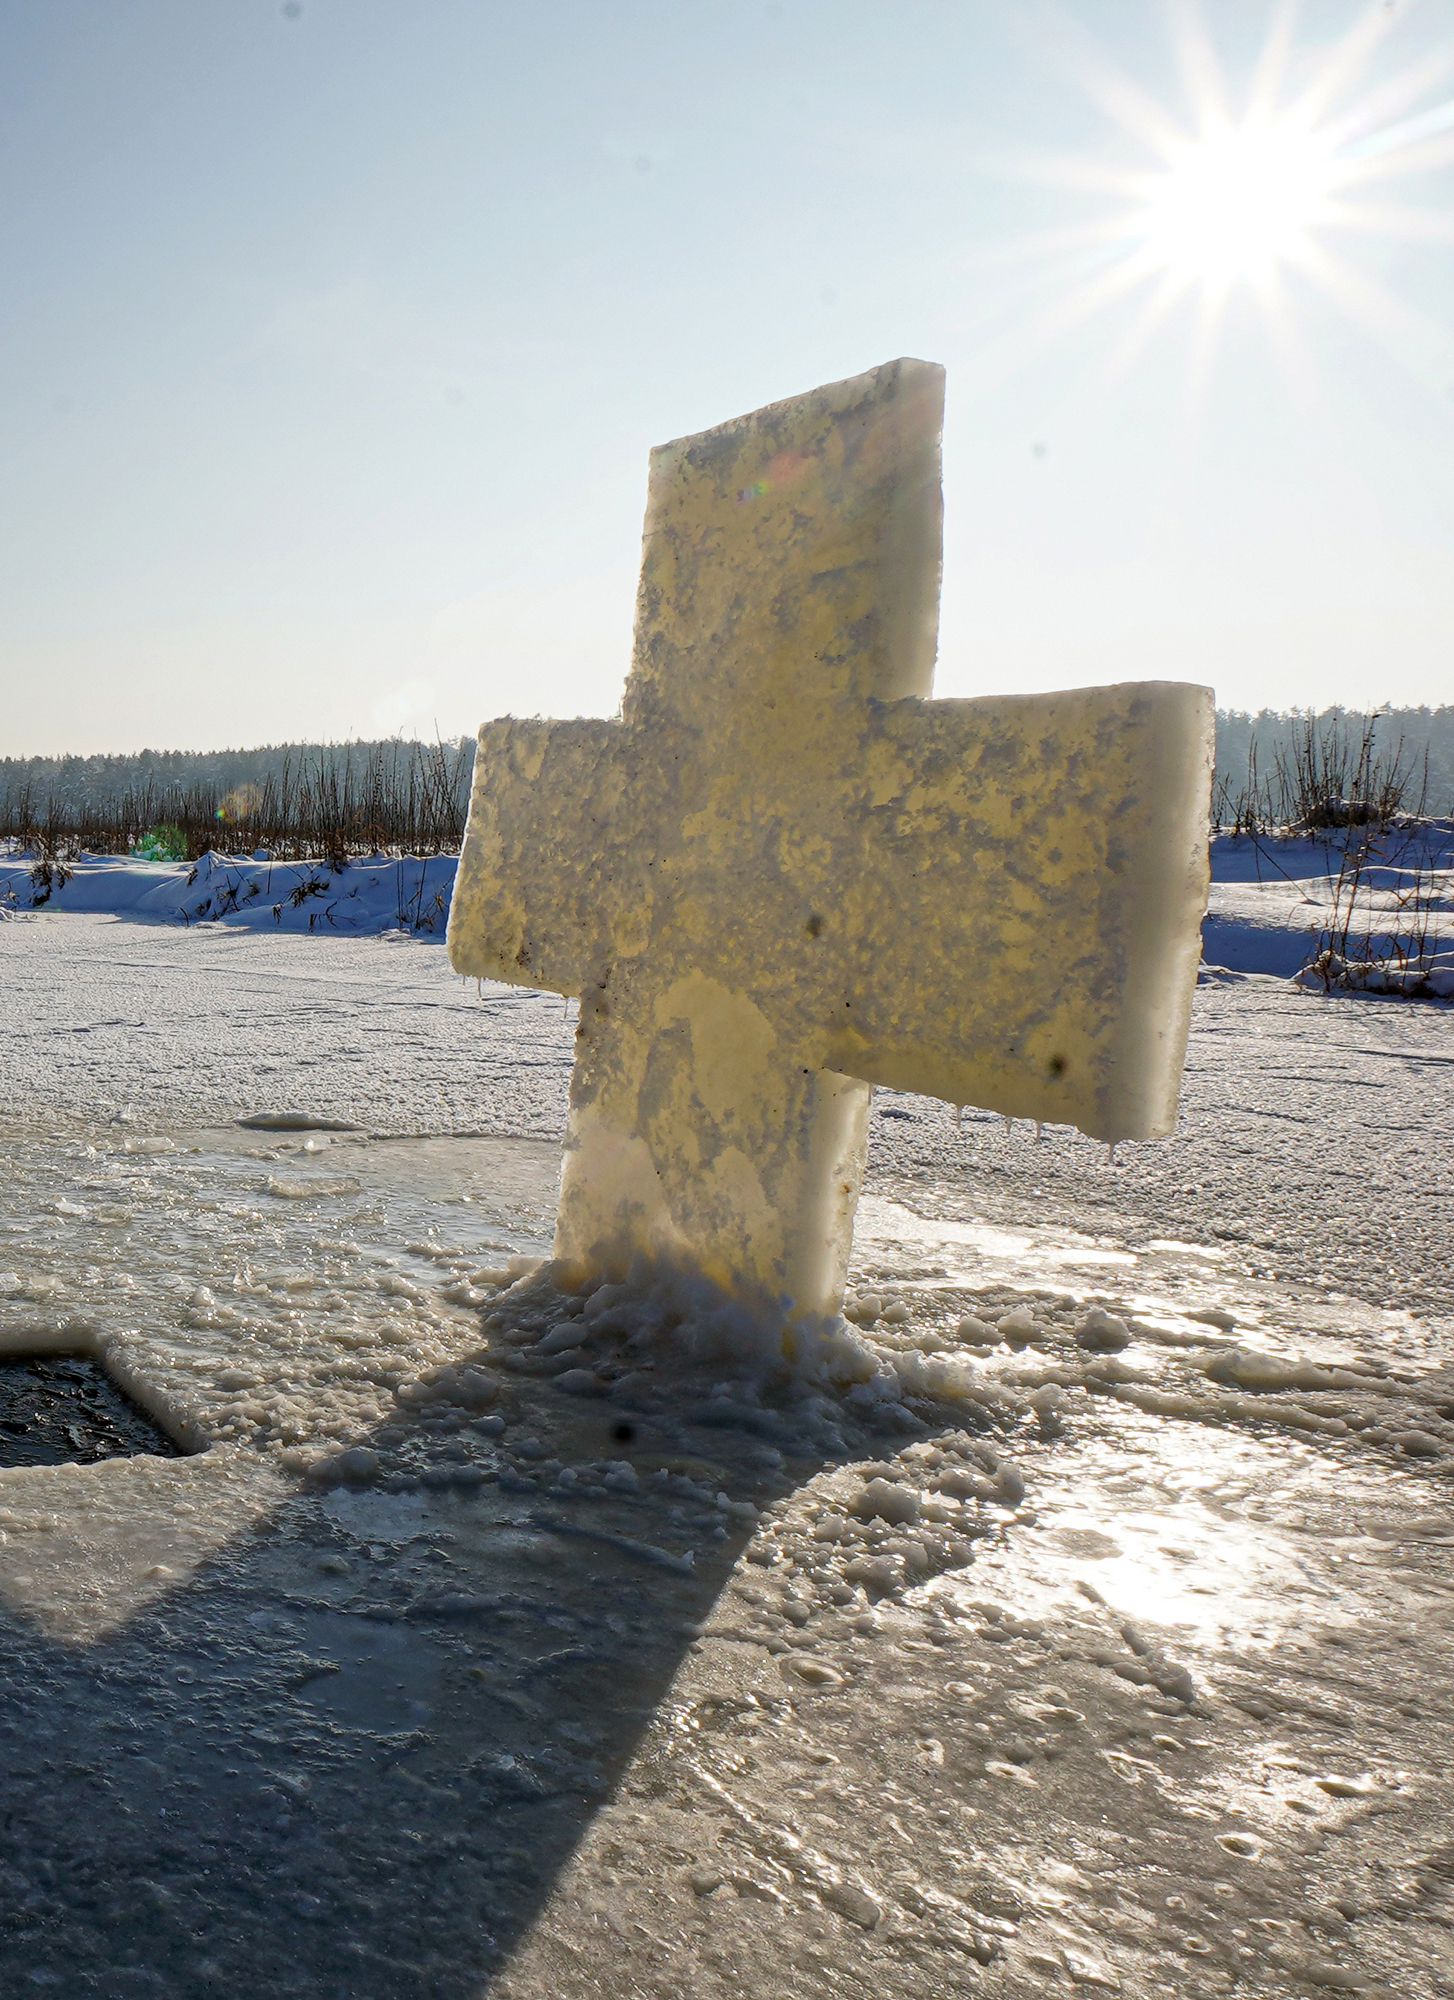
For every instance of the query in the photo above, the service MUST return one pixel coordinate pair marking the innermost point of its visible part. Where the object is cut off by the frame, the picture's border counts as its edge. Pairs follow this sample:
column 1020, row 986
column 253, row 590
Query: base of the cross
column 706, row 1147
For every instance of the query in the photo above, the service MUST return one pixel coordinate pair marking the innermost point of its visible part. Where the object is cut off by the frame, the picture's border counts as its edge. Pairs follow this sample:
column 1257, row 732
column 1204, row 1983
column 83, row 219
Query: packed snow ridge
column 360, row 897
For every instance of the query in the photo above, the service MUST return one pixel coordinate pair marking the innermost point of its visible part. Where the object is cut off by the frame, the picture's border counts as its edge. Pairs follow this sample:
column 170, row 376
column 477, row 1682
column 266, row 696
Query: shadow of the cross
column 350, row 1755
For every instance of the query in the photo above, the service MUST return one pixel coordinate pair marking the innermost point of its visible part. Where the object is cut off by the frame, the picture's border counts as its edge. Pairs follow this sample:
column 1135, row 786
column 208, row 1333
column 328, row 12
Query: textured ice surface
column 1311, row 1148
column 264, row 1309
column 524, row 1709
column 784, row 875
column 129, row 1020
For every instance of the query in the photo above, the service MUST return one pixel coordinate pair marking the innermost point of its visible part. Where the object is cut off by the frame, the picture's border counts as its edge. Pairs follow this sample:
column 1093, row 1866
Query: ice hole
column 64, row 1409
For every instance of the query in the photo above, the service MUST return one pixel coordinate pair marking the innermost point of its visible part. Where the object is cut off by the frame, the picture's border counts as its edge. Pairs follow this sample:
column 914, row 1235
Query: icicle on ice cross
column 784, row 875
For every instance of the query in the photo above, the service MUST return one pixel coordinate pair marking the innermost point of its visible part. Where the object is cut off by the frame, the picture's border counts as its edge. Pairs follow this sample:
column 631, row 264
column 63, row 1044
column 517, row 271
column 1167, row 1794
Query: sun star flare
column 1261, row 197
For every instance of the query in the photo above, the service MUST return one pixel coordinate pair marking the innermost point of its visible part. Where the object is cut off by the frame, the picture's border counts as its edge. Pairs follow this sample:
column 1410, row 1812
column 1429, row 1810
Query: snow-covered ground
column 1278, row 903
column 403, row 893
column 485, row 1652
column 1275, row 904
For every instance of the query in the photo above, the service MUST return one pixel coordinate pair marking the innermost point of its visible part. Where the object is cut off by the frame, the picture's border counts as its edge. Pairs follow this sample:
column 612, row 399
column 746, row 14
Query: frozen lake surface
column 646, row 1689
column 1317, row 1124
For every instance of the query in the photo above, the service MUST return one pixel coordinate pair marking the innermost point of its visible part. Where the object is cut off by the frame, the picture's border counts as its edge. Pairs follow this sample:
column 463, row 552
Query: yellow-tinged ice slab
column 785, row 875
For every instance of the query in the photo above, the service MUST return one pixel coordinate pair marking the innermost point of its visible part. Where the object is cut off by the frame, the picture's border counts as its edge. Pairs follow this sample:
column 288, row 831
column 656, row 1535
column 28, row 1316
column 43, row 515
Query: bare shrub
column 1329, row 772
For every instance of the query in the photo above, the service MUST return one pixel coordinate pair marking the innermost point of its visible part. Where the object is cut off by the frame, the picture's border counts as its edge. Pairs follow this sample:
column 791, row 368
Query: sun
column 1238, row 202
column 1263, row 189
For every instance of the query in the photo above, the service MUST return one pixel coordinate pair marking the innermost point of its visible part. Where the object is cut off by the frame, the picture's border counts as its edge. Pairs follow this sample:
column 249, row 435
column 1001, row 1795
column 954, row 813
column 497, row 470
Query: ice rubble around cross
column 1273, row 900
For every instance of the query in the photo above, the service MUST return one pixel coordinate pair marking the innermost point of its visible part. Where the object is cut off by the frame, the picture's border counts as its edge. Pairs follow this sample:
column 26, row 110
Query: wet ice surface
column 550, row 1690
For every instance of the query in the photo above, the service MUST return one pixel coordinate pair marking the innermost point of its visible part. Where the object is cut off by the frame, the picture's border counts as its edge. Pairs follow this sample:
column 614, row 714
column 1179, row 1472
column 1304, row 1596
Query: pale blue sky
column 333, row 340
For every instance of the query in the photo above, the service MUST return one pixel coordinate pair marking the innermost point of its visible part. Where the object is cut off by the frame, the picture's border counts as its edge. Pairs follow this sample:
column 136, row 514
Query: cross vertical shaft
column 790, row 566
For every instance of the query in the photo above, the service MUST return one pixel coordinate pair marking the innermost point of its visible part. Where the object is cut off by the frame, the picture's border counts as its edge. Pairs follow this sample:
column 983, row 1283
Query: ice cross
column 784, row 875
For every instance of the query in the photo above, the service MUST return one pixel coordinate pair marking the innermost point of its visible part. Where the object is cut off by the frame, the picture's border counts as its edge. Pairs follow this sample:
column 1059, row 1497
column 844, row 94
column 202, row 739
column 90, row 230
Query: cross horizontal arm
column 540, row 895
column 1021, row 883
